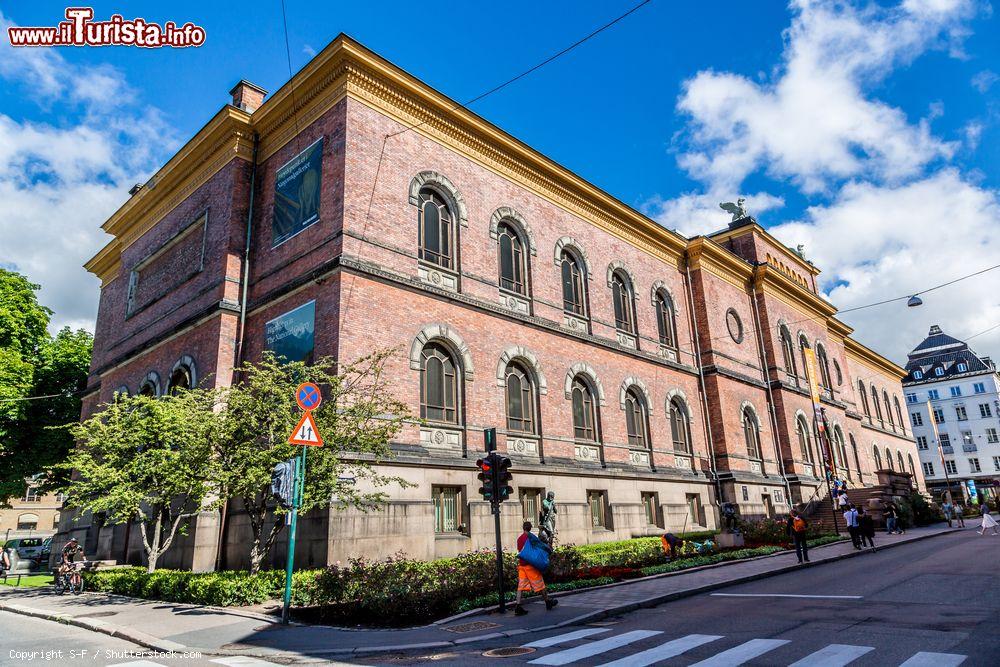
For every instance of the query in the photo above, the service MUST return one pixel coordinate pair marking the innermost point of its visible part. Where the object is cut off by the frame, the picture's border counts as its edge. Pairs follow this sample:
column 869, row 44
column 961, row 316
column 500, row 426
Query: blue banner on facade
column 290, row 336
column 296, row 194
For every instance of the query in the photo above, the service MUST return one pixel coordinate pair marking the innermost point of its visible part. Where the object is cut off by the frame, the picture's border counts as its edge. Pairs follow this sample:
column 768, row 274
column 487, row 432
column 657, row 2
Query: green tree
column 147, row 460
column 32, row 365
column 357, row 420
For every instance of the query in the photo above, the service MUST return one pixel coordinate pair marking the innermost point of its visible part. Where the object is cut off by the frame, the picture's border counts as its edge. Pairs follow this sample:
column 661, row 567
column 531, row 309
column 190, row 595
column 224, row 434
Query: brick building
column 640, row 375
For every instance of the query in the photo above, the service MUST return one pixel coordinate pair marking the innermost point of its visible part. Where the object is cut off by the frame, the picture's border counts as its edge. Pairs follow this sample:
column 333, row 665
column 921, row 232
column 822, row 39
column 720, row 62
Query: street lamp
column 914, row 301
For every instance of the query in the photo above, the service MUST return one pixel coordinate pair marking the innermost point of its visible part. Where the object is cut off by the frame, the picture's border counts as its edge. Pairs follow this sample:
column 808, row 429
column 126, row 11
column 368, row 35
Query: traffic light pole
column 298, row 485
column 502, row 608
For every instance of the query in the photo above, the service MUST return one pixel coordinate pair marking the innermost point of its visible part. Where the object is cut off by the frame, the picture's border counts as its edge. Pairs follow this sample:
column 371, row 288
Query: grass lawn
column 28, row 580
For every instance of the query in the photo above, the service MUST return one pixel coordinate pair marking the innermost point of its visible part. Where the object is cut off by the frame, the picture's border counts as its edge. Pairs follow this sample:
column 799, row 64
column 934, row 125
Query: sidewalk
column 169, row 626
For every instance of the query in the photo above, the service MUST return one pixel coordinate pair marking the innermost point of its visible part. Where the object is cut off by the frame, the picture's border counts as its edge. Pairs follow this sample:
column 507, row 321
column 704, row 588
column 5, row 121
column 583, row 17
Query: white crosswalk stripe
column 567, row 637
column 742, row 653
column 595, row 648
column 928, row 659
column 834, row 655
column 663, row 651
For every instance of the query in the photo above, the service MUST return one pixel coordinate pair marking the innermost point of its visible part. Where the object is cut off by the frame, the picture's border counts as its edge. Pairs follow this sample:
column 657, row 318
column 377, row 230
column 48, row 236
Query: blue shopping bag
column 535, row 553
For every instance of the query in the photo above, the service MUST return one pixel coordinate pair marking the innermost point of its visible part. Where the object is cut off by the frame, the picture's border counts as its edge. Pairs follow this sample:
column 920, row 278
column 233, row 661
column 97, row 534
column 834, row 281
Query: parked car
column 28, row 548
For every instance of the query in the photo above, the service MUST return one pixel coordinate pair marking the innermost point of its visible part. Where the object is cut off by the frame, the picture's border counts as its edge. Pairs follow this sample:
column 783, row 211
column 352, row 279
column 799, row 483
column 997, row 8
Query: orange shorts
column 529, row 579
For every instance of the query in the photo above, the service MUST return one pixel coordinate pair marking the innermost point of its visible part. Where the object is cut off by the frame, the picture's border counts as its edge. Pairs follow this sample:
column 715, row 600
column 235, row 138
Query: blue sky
column 866, row 131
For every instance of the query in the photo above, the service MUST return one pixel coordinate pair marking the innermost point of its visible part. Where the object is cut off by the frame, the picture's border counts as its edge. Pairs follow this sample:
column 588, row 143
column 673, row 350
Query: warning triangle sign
column 306, row 433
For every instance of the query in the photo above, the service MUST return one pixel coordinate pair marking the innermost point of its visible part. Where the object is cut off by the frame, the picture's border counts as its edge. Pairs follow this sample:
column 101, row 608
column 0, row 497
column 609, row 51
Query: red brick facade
column 731, row 292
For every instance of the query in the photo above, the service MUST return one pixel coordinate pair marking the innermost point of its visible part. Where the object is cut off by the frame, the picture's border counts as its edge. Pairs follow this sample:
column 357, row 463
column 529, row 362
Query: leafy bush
column 914, row 510
column 709, row 559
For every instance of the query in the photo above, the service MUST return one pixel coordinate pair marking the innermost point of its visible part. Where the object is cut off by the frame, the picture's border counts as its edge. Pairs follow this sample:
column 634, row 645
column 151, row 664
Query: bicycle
column 70, row 579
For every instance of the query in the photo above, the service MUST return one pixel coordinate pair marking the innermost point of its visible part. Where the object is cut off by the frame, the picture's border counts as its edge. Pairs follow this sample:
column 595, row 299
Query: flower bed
column 399, row 591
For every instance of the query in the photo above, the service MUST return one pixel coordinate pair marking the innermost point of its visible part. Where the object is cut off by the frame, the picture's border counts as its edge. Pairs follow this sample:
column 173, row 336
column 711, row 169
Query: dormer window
column 963, row 367
column 939, row 372
column 917, row 375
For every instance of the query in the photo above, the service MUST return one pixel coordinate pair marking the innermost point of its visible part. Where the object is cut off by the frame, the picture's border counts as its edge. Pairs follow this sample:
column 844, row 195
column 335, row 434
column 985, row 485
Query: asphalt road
column 934, row 603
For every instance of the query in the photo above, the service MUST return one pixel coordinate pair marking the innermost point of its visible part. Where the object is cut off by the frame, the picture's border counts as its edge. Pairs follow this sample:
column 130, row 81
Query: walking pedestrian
column 947, row 508
column 960, row 514
column 866, row 527
column 891, row 519
column 842, row 501
column 987, row 521
column 529, row 577
column 797, row 528
column 851, row 521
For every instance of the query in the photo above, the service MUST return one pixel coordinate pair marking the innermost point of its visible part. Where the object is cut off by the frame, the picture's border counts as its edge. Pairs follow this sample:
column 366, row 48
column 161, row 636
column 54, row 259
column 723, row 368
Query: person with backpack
column 866, row 528
column 532, row 560
column 960, row 515
column 851, row 520
column 797, row 528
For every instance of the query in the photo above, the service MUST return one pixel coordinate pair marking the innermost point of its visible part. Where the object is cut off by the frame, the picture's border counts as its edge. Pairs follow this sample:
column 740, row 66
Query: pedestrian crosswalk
column 230, row 661
column 632, row 649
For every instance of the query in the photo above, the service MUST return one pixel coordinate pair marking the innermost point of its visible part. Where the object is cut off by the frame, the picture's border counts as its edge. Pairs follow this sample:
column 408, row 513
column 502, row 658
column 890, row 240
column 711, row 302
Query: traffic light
column 485, row 466
column 490, row 439
column 282, row 482
column 503, row 478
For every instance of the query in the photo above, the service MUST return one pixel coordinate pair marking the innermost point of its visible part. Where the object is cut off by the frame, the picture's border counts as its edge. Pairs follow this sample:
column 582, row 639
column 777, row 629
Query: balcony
column 969, row 448
column 947, row 449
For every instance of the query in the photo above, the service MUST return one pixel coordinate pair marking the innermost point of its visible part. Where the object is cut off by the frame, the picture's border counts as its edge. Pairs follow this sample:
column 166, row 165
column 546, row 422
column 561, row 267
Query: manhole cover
column 473, row 627
column 97, row 614
column 508, row 652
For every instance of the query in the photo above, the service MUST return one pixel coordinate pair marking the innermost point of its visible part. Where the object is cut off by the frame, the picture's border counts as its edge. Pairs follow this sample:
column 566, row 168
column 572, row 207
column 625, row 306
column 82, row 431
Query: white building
column 962, row 390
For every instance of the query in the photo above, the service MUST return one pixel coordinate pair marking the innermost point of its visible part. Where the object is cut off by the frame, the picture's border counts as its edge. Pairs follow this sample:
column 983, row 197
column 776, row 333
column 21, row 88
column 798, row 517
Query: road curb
column 166, row 645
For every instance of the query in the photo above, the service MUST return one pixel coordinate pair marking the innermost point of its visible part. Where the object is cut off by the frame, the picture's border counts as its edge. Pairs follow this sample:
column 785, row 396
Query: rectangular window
column 746, row 494
column 596, row 501
column 911, row 398
column 956, row 391
column 996, row 462
column 966, row 437
column 974, row 465
column 921, row 442
column 32, row 495
column 985, row 411
column 938, row 416
column 951, row 467
column 991, row 436
column 447, row 509
column 916, row 419
column 929, row 469
column 933, row 394
column 945, row 440
column 651, row 506
column 961, row 413
column 694, row 508
column 531, row 505
column 778, row 498
column 979, row 388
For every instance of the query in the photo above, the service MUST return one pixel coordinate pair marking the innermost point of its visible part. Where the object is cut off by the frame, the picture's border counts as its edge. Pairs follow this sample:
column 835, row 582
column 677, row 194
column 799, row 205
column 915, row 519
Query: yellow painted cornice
column 755, row 228
column 872, row 359
column 839, row 328
column 772, row 281
column 704, row 253
column 226, row 136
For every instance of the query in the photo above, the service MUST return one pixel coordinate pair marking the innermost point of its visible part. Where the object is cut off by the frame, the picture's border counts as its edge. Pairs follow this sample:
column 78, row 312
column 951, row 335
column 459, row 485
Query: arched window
column 824, row 367
column 636, row 419
column 888, row 409
column 913, row 470
column 439, row 391
column 899, row 460
column 573, row 284
column 878, row 408
column 863, row 396
column 436, row 225
column 751, row 433
column 180, row 379
column 840, row 450
column 878, row 458
column 888, row 459
column 803, row 346
column 788, row 353
column 666, row 321
column 27, row 522
column 513, row 260
column 624, row 302
column 805, row 439
column 854, row 450
column 584, row 410
column 150, row 386
column 522, row 406
column 899, row 413
column 680, row 432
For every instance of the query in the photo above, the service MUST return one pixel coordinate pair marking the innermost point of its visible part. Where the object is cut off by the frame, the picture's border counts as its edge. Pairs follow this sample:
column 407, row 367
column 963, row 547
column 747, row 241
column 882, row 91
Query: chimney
column 247, row 96
column 935, row 330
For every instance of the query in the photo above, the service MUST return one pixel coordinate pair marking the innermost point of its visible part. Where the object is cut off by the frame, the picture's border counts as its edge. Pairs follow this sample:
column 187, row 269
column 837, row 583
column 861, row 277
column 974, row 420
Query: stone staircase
column 820, row 512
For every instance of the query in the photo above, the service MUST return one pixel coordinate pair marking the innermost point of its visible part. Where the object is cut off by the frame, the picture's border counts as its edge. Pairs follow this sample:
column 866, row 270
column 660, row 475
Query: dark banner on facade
column 290, row 336
column 296, row 194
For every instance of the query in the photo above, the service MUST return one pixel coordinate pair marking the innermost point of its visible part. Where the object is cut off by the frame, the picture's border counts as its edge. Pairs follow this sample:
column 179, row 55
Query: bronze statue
column 548, row 518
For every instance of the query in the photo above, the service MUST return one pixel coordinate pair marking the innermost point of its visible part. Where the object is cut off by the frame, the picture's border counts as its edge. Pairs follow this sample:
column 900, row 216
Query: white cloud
column 876, row 242
column 66, row 170
column 984, row 80
column 696, row 213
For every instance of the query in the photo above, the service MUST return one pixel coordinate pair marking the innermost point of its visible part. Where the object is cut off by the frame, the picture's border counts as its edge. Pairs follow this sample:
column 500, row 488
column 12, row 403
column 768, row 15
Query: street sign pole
column 502, row 608
column 299, row 470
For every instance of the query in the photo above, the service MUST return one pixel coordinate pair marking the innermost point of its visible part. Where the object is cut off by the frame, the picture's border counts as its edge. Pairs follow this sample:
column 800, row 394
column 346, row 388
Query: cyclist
column 69, row 554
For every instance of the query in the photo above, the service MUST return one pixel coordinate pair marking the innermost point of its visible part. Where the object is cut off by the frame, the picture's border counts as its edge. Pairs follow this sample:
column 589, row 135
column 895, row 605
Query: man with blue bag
column 532, row 561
